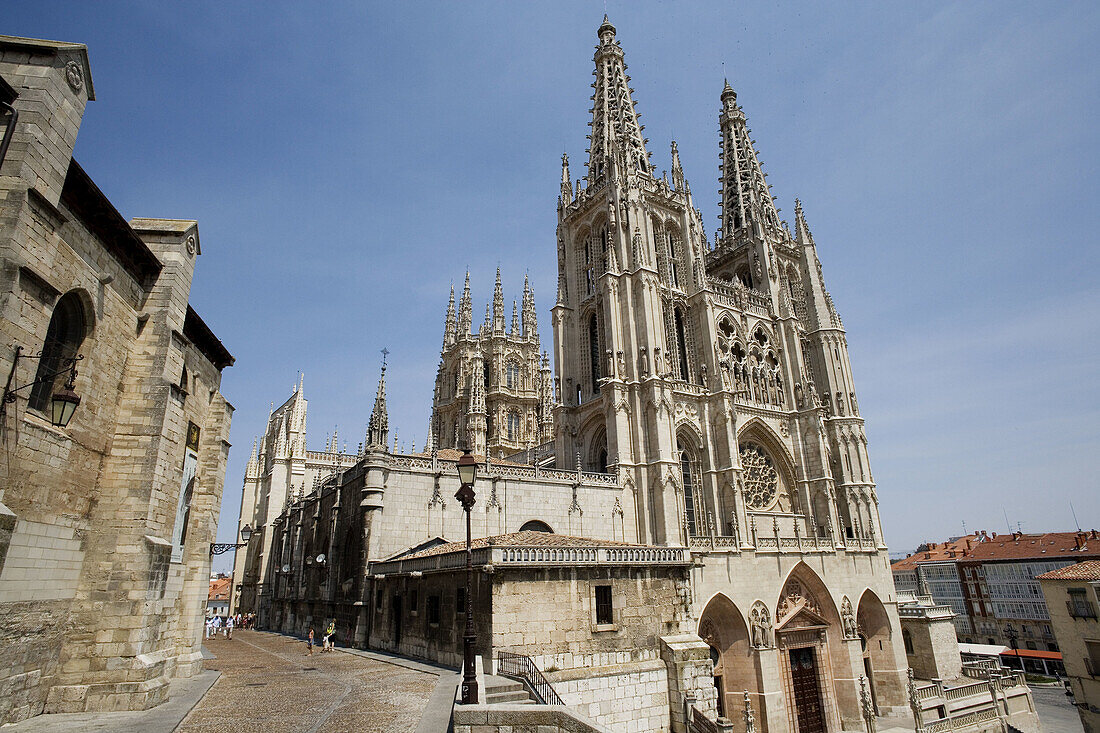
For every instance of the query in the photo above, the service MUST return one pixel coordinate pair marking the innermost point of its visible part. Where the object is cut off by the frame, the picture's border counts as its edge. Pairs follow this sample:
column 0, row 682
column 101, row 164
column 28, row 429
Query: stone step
column 492, row 697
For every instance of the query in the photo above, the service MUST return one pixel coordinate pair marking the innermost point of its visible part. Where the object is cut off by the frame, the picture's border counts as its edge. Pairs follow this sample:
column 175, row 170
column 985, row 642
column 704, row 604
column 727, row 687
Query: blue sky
column 347, row 162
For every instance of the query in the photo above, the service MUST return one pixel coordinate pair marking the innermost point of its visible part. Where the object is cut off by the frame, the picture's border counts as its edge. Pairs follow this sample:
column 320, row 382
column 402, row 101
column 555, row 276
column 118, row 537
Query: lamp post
column 467, row 474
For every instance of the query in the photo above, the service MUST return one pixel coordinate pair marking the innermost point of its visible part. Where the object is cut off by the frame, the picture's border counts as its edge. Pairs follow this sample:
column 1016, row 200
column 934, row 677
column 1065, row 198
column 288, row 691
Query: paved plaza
column 270, row 685
column 1056, row 711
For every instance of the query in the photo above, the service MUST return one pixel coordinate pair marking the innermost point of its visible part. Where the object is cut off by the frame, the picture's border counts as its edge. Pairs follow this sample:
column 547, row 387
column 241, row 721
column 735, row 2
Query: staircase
column 504, row 690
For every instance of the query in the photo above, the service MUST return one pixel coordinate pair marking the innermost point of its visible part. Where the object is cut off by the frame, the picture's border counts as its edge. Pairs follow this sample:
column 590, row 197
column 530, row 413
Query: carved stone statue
column 761, row 623
column 848, row 620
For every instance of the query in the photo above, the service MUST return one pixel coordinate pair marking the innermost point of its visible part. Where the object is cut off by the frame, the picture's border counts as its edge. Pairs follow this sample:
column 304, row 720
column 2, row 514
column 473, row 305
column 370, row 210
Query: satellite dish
column 286, row 568
column 321, row 559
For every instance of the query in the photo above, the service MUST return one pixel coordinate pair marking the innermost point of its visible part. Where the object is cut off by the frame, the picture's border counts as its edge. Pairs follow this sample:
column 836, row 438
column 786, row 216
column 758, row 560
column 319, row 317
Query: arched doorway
column 880, row 664
column 736, row 663
column 809, row 635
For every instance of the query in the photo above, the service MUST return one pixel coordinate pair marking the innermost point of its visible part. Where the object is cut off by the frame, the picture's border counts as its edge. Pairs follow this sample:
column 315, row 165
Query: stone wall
column 97, row 609
column 631, row 696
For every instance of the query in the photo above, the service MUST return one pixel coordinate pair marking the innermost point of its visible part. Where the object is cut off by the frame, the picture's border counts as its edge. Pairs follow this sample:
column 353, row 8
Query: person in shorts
column 309, row 642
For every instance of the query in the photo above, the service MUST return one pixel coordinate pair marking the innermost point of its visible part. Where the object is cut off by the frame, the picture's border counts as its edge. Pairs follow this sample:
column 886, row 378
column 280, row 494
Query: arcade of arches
column 798, row 656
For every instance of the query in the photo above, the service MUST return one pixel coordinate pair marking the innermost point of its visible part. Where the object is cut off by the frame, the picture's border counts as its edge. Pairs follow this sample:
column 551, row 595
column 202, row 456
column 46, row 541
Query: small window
column 460, row 601
column 414, row 601
column 907, row 638
column 378, row 600
column 604, row 611
column 433, row 609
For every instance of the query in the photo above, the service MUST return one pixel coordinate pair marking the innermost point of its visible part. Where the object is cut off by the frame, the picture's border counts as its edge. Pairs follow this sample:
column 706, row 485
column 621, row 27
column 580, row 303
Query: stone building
column 493, row 391
column 1071, row 595
column 280, row 469
column 703, row 401
column 106, row 521
column 991, row 580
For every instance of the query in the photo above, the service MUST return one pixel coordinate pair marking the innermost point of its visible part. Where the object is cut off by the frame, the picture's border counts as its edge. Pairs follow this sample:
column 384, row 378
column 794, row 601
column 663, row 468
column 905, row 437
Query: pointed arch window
column 513, row 375
column 594, row 353
column 68, row 324
column 689, row 473
column 673, row 260
column 681, row 345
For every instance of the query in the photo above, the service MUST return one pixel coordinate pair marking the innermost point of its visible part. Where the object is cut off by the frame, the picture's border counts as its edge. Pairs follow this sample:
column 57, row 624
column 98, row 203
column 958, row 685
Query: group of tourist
column 225, row 624
column 327, row 641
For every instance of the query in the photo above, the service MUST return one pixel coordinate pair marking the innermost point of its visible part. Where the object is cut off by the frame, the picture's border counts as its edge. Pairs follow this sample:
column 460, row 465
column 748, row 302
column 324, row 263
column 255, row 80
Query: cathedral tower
column 715, row 381
column 492, row 389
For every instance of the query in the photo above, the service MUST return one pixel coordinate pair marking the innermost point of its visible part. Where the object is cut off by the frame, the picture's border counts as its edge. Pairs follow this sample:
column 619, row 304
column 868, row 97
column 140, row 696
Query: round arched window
column 760, row 477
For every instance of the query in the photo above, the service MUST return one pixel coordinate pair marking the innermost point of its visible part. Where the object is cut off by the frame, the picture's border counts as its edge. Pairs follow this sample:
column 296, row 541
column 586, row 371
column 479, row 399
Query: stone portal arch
column 736, row 662
column 881, row 665
column 812, row 653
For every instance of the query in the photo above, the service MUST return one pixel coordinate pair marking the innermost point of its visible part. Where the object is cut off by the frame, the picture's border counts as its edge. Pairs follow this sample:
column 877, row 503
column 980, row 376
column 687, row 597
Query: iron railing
column 524, row 668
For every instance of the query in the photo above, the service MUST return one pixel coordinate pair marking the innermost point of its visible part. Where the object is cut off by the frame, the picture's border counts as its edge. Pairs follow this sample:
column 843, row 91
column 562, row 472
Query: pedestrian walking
column 309, row 642
column 328, row 636
column 209, row 626
column 228, row 627
column 217, row 625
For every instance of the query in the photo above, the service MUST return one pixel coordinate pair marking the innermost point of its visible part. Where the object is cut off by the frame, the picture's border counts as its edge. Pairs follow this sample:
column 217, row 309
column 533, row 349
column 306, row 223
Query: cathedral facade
column 702, row 402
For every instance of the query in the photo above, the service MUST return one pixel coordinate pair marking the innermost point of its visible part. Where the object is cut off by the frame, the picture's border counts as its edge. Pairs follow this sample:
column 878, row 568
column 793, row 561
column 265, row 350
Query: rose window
column 759, row 476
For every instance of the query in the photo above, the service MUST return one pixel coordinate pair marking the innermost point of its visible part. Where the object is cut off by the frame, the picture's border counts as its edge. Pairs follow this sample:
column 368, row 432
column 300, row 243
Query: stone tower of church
column 492, row 390
column 715, row 379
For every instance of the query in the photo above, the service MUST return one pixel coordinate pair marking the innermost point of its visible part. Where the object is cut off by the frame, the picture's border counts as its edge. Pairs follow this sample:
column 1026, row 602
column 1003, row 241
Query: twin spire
column 747, row 204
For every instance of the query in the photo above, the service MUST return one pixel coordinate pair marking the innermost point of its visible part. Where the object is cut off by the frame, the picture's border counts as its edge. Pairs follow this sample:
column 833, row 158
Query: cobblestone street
column 270, row 685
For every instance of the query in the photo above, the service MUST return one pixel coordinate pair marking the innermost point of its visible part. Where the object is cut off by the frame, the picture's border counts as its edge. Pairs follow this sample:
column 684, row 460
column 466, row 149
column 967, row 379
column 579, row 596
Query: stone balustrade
column 521, row 556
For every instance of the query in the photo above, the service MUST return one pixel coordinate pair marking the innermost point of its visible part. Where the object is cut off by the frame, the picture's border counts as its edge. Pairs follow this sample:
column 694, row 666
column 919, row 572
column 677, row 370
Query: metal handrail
column 523, row 667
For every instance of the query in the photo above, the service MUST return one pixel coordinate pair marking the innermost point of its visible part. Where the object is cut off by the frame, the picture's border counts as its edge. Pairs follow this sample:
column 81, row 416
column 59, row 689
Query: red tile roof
column 1014, row 546
column 219, row 589
column 520, row 539
column 1033, row 654
column 1088, row 570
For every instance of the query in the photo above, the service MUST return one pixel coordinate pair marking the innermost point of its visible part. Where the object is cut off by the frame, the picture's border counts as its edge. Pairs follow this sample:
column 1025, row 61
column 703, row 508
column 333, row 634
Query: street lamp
column 222, row 547
column 467, row 474
column 64, row 401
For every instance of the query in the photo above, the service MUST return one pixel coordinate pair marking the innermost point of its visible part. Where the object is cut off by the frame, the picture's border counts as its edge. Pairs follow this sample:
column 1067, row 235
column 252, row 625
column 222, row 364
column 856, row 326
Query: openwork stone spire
column 678, row 181
column 530, row 317
column 465, row 308
column 498, row 304
column 802, row 233
column 450, row 328
column 615, row 131
column 566, row 183
column 379, row 426
column 747, row 204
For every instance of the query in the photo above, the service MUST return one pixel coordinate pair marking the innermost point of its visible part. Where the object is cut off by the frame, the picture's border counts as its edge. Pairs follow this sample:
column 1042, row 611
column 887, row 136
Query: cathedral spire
column 515, row 320
column 465, row 309
column 677, row 169
column 379, row 426
column 450, row 328
column 747, row 205
column 566, row 183
column 252, row 469
column 498, row 304
column 530, row 322
column 802, row 233
column 615, row 128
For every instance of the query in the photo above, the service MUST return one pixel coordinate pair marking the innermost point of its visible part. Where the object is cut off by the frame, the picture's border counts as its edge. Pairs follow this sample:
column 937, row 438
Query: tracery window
column 681, row 345
column 513, row 375
column 761, row 480
column 513, row 426
column 689, row 473
column 594, row 353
